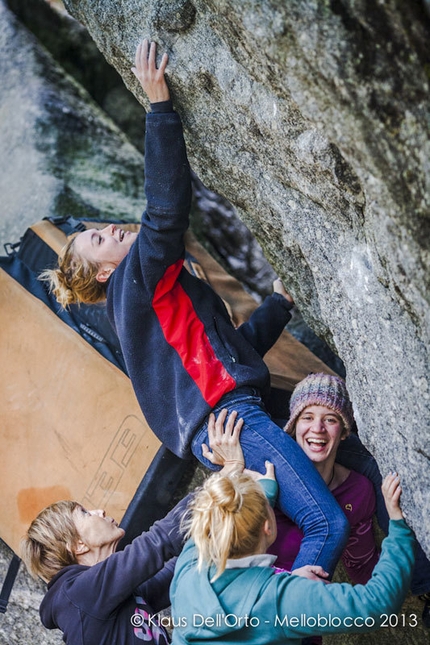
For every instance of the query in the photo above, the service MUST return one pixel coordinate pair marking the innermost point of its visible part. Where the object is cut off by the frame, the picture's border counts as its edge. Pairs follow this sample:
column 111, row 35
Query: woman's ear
column 104, row 273
column 267, row 528
column 80, row 548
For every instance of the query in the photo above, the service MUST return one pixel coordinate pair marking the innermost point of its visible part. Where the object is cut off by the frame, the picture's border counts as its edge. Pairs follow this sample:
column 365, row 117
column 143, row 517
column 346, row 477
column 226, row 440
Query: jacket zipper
column 233, row 360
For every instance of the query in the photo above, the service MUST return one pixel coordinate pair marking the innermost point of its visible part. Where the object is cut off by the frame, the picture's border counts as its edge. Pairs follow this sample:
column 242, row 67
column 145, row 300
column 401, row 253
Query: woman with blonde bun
column 226, row 589
column 215, row 511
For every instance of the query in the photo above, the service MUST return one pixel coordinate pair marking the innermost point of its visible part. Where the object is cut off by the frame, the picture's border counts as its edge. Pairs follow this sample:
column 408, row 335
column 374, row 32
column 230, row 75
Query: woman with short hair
column 96, row 594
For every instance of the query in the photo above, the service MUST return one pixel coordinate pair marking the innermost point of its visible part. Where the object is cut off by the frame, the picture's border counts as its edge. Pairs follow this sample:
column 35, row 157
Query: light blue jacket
column 257, row 605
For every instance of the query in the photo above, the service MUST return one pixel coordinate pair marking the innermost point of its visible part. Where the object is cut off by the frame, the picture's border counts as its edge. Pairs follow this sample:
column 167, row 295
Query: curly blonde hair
column 74, row 280
column 48, row 545
column 227, row 515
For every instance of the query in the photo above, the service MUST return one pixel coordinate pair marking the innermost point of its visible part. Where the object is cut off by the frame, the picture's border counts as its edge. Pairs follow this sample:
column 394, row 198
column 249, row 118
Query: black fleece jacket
column 181, row 349
column 114, row 602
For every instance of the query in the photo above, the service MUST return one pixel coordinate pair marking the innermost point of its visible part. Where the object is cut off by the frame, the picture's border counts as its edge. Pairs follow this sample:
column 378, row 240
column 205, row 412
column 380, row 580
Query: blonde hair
column 227, row 515
column 48, row 545
column 74, row 280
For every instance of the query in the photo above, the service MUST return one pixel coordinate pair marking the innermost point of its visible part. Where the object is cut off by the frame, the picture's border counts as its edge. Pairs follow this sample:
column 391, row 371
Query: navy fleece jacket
column 181, row 350
column 115, row 600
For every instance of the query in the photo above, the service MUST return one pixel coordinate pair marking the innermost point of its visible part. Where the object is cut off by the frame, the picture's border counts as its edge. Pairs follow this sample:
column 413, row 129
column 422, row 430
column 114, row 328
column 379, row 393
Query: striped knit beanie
column 320, row 389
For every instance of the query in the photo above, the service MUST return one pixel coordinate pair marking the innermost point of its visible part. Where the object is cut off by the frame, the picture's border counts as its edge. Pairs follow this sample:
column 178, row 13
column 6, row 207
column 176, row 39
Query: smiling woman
column 319, row 431
column 86, row 262
column 321, row 418
column 106, row 248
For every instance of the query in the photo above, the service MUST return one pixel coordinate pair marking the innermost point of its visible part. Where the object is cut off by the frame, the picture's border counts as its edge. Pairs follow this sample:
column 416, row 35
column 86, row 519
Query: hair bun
column 227, row 516
column 226, row 496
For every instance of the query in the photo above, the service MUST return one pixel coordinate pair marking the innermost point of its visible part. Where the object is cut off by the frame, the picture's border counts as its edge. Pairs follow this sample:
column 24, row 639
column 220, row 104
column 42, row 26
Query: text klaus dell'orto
column 303, row 620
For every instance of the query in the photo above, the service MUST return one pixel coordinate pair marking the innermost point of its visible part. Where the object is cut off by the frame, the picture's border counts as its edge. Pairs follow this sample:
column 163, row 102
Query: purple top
column 356, row 498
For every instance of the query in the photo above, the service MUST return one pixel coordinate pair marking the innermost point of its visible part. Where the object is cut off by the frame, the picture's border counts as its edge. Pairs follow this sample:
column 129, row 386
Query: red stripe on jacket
column 185, row 332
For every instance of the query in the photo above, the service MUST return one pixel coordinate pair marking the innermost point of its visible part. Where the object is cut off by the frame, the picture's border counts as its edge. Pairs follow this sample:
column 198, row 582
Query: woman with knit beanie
column 347, row 467
column 321, row 418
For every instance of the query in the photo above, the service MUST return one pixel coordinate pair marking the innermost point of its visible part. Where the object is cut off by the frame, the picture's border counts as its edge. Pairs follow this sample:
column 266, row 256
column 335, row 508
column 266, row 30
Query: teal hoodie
column 258, row 605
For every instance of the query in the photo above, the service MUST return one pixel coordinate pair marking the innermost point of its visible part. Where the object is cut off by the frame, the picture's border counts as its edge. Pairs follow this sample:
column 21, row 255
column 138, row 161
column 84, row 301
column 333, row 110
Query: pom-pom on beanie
column 320, row 389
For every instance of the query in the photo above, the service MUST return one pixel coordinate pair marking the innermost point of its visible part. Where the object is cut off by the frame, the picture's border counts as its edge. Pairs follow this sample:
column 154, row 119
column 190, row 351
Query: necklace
column 331, row 478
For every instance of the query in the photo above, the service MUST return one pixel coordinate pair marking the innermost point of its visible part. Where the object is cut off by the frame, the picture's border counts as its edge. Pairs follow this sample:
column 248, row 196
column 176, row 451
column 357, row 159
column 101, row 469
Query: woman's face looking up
column 105, row 247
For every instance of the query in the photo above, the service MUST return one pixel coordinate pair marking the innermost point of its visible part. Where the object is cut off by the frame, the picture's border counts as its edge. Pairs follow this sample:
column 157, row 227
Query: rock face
column 58, row 148
column 312, row 119
column 74, row 50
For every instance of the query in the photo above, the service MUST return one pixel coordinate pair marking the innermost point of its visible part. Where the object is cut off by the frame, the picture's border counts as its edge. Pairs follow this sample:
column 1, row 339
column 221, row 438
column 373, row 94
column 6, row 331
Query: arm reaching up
column 278, row 287
column 267, row 322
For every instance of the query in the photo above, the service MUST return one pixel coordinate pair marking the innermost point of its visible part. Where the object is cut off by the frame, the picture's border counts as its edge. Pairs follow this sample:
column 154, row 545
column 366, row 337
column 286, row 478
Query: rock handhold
column 173, row 15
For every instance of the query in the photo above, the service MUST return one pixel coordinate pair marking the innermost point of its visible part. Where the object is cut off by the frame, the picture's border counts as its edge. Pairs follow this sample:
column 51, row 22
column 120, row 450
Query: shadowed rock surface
column 312, row 119
column 21, row 624
column 72, row 47
column 61, row 153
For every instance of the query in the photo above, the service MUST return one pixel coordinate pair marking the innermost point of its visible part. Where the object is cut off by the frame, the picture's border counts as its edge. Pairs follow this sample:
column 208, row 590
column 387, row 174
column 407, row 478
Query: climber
column 182, row 353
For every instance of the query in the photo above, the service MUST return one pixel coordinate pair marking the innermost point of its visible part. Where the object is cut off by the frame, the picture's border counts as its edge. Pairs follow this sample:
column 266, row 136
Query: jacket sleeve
column 271, row 489
column 345, row 608
column 103, row 587
column 266, row 323
column 156, row 589
column 160, row 241
column 361, row 553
